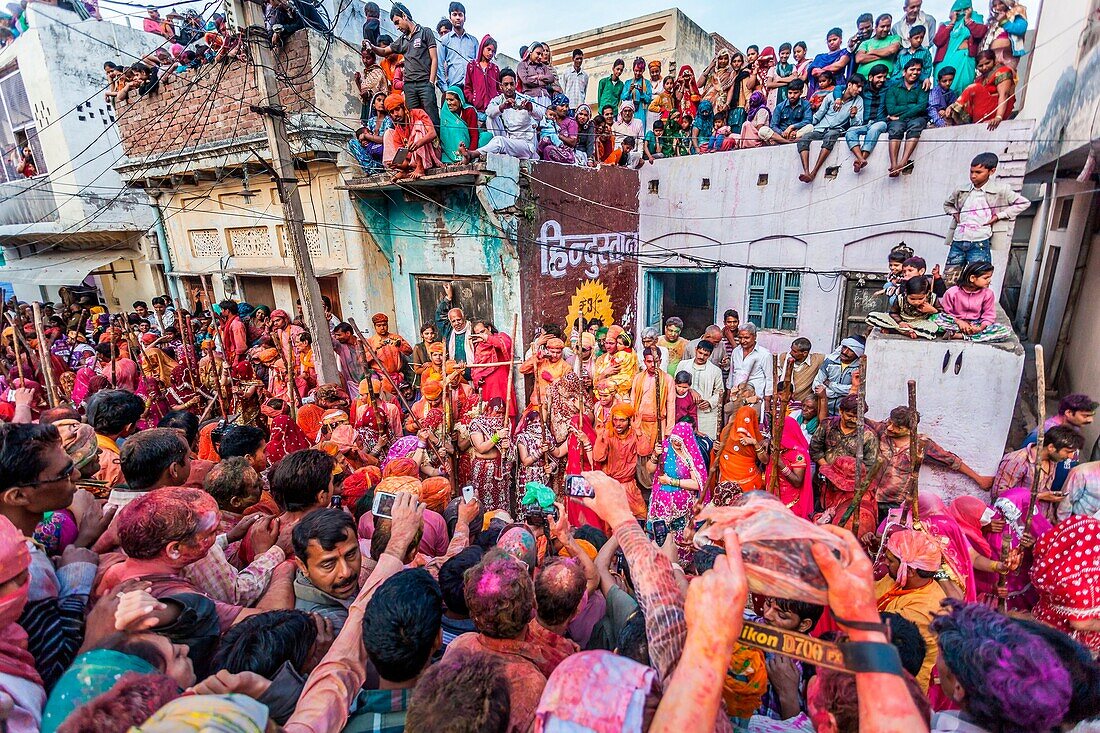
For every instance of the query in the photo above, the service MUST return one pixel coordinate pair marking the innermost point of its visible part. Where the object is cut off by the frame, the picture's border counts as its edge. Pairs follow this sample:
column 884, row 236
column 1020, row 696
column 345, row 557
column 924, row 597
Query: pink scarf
column 15, row 557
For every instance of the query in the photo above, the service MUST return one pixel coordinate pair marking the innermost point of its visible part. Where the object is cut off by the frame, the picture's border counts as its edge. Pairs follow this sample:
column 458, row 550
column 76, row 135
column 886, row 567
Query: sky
column 519, row 22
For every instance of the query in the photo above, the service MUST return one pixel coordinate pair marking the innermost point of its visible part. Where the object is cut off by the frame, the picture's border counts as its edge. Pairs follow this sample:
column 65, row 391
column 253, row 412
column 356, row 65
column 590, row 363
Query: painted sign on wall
column 579, row 256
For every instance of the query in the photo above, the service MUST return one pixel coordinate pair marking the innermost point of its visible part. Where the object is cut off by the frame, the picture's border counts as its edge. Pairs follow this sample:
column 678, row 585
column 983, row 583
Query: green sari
column 453, row 130
column 958, row 49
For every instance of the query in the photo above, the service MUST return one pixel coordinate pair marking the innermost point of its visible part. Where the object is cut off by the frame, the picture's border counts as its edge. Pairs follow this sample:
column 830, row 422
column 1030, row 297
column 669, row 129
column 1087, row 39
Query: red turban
column 380, row 318
column 401, row 467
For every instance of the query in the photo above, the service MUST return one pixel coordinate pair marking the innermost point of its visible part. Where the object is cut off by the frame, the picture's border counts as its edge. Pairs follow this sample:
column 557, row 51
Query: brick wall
column 210, row 105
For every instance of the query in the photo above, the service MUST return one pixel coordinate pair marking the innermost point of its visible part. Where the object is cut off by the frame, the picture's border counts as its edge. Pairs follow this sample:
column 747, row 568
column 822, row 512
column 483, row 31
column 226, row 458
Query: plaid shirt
column 379, row 711
column 1018, row 469
column 221, row 581
column 661, row 600
column 892, row 484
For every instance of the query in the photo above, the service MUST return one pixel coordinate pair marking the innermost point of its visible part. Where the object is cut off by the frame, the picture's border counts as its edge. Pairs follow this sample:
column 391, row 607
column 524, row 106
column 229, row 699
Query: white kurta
column 707, row 381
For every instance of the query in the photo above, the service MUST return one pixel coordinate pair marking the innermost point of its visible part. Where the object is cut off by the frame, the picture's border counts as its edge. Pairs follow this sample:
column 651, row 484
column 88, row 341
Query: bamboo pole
column 861, row 481
column 782, row 399
column 15, row 346
column 397, row 392
column 916, row 454
column 44, row 357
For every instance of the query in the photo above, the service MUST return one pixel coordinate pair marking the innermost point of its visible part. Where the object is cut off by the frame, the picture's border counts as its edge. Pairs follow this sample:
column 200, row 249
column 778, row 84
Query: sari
column 718, row 82
column 181, row 392
column 686, row 92
column 533, row 436
column 461, row 128
column 978, row 102
column 736, row 462
column 937, row 520
column 967, row 511
column 492, row 477
column 1067, row 581
column 671, row 504
column 823, row 60
column 795, row 451
column 958, row 54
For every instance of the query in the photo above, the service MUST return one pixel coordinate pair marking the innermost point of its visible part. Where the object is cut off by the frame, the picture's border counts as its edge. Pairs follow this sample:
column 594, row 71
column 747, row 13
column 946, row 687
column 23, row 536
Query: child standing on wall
column 980, row 211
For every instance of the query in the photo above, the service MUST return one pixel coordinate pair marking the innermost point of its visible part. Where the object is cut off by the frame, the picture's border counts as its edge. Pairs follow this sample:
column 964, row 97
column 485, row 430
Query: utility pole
column 282, row 164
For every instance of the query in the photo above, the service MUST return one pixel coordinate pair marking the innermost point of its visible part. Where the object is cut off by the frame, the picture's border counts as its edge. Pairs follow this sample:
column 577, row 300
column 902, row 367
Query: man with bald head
column 719, row 357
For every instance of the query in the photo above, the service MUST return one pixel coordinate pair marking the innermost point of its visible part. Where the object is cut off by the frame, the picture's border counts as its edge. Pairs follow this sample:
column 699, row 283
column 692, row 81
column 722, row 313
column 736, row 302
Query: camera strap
column 850, row 656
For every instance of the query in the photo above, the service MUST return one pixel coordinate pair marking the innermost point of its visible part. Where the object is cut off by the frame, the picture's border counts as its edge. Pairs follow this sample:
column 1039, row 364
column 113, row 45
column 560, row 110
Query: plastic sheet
column 775, row 546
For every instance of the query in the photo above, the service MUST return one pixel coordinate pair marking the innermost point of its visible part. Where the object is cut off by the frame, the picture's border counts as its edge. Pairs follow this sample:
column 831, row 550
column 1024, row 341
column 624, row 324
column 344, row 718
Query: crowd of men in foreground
column 199, row 535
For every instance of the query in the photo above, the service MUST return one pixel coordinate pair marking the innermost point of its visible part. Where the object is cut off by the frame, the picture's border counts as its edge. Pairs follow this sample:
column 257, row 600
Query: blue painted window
column 773, row 299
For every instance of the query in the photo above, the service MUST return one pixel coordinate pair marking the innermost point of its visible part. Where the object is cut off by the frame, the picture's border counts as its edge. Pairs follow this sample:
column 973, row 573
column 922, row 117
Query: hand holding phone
column 660, row 532
column 400, row 155
column 578, row 487
column 383, row 505
column 468, row 494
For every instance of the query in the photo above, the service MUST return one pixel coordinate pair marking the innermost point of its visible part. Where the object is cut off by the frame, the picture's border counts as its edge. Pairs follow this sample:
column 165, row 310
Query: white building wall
column 61, row 60
column 748, row 209
column 968, row 413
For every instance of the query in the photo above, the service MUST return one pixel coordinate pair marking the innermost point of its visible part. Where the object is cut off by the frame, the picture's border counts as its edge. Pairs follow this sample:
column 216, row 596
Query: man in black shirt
column 418, row 45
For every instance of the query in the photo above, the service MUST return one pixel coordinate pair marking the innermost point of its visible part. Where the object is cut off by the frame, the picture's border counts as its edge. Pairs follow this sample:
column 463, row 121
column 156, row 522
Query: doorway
column 862, row 295
column 257, row 290
column 688, row 294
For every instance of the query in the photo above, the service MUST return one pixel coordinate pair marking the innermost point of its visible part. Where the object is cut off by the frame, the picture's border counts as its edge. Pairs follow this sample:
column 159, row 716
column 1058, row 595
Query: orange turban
column 393, row 101
column 431, row 389
column 267, row 356
column 401, row 467
column 615, row 331
column 380, row 318
column 435, row 347
column 399, row 484
column 555, row 343
column 435, row 492
column 623, row 409
column 588, row 547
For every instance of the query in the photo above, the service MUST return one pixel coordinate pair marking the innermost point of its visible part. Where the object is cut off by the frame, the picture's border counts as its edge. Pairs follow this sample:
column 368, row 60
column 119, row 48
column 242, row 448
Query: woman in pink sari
column 987, row 530
column 795, row 478
column 681, row 476
column 936, row 518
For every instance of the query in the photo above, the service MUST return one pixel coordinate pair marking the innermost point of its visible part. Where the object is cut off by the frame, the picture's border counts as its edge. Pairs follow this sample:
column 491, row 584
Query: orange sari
column 737, row 462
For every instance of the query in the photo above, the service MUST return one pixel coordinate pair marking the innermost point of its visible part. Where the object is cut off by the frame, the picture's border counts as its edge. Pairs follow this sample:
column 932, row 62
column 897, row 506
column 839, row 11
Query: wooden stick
column 47, row 373
column 916, row 453
column 862, row 481
column 1041, row 412
column 397, row 392
column 380, row 424
column 512, row 497
column 783, row 399
column 219, row 367
column 15, row 345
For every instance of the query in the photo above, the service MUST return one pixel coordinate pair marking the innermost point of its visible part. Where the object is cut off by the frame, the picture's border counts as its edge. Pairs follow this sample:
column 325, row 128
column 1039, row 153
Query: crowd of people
column 440, row 97
column 437, row 97
column 457, row 533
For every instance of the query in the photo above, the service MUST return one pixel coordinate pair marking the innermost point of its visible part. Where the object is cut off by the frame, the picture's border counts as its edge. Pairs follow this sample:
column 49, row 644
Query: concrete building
column 74, row 224
column 739, row 230
column 199, row 150
column 668, row 36
column 512, row 238
column 1059, row 303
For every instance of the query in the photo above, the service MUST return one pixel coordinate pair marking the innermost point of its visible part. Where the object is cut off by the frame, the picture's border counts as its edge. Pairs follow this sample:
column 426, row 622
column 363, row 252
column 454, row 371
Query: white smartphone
column 383, row 505
column 468, row 494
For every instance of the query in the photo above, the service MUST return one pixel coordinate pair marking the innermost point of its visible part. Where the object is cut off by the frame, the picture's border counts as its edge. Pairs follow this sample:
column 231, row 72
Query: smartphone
column 383, row 505
column 577, row 486
column 336, row 502
column 468, row 494
column 660, row 531
column 400, row 156
column 620, row 562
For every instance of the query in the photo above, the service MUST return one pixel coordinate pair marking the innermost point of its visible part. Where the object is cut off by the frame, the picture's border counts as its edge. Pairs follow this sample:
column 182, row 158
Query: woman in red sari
column 990, row 99
column 795, row 478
